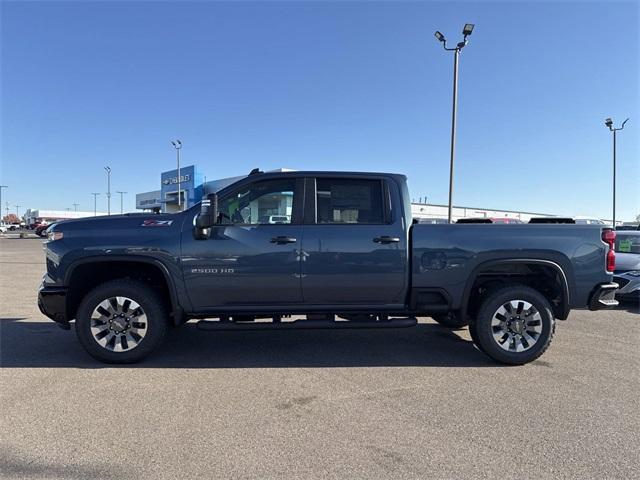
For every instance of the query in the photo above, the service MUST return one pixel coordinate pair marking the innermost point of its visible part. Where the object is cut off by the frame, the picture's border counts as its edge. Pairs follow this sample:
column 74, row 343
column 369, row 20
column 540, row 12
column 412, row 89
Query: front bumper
column 603, row 296
column 52, row 302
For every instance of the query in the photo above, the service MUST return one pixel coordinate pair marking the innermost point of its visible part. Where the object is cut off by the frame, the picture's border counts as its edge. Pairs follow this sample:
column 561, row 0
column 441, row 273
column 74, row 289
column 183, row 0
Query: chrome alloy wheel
column 118, row 324
column 516, row 326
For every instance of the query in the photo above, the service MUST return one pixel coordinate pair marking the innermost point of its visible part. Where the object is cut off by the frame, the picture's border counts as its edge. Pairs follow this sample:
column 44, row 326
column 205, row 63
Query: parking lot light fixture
column 177, row 144
column 609, row 124
column 466, row 31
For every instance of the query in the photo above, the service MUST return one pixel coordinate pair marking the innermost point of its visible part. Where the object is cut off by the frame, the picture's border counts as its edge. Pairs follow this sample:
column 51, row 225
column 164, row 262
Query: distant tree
column 11, row 218
column 638, row 218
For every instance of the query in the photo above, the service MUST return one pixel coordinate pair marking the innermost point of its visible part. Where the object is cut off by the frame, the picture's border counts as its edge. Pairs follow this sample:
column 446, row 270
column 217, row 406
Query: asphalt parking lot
column 406, row 403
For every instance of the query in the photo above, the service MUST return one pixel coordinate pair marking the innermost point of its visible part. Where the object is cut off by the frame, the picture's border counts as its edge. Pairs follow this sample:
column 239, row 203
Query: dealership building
column 193, row 185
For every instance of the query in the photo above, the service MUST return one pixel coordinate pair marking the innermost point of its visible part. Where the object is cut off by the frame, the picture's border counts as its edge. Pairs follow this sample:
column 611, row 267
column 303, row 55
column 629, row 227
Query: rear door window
column 349, row 201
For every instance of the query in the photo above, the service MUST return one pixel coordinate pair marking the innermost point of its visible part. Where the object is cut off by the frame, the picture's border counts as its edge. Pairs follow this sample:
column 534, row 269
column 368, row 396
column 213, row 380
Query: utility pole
column 1, row 187
column 609, row 123
column 466, row 31
column 177, row 144
column 75, row 206
column 121, row 194
column 95, row 203
column 108, row 170
column 17, row 208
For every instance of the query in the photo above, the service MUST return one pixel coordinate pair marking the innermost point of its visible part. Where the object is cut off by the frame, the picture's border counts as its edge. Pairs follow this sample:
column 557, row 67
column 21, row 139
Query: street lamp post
column 466, row 31
column 121, row 194
column 95, row 203
column 108, row 170
column 177, row 144
column 609, row 123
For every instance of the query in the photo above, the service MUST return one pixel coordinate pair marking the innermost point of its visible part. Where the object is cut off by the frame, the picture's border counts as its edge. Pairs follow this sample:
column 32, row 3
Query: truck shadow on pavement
column 44, row 345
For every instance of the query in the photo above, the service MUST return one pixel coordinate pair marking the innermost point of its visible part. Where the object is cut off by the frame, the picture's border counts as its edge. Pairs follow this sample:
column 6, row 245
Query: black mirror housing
column 208, row 215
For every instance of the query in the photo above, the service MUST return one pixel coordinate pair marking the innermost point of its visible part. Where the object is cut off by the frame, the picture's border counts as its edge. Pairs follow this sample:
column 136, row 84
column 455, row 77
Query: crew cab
column 343, row 253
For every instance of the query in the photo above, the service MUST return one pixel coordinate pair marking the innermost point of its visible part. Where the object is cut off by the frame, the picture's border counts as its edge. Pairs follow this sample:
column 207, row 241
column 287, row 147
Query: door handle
column 386, row 239
column 282, row 240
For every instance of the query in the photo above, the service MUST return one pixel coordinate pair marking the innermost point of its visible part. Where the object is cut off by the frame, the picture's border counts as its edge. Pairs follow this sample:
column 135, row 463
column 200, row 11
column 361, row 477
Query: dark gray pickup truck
column 339, row 249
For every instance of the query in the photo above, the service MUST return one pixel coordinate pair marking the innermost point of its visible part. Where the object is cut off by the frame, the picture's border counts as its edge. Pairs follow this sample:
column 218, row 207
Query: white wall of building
column 33, row 215
column 427, row 210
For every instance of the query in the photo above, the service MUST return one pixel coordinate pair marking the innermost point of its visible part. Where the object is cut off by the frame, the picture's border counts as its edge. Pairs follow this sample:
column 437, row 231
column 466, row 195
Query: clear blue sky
column 322, row 85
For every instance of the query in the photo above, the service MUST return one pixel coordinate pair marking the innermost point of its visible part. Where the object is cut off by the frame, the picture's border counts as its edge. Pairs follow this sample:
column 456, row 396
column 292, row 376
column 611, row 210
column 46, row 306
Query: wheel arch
column 92, row 271
column 560, row 304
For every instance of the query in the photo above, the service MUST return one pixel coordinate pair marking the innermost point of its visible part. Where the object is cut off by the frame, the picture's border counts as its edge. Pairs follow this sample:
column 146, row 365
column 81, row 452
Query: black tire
column 152, row 305
column 451, row 320
column 482, row 330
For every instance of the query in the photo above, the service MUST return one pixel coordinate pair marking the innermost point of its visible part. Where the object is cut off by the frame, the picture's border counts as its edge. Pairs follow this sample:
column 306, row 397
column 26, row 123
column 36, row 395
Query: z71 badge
column 157, row 223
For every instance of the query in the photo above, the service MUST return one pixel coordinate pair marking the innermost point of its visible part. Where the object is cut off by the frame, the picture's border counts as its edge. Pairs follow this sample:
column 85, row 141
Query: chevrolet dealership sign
column 174, row 180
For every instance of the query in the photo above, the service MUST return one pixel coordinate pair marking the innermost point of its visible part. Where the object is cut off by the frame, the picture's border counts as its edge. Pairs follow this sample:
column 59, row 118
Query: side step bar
column 306, row 324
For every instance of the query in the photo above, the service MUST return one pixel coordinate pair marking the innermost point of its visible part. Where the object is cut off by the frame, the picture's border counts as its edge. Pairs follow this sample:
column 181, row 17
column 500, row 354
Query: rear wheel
column 514, row 325
column 121, row 321
column 451, row 320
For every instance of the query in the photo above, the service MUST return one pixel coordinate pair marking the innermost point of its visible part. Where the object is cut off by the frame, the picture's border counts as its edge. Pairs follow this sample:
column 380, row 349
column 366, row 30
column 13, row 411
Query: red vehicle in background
column 41, row 229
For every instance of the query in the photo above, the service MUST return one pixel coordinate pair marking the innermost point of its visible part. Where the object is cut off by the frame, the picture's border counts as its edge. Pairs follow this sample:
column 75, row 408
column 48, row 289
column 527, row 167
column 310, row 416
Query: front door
column 252, row 256
column 354, row 249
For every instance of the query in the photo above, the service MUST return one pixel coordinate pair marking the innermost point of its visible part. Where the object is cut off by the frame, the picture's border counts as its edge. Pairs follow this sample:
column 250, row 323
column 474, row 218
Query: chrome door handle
column 386, row 239
column 282, row 240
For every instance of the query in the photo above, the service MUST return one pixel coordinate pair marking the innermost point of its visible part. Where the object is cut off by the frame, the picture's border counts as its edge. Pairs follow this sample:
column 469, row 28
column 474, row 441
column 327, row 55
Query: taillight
column 609, row 237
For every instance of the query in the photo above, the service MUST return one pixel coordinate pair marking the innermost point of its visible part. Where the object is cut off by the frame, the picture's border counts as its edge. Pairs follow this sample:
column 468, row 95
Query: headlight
column 52, row 236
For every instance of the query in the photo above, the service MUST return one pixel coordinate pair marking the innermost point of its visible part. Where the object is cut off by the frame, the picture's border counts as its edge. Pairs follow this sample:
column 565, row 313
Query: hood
column 113, row 223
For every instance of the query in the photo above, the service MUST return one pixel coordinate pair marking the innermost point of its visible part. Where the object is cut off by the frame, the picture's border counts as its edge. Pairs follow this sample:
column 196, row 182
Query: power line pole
column 95, row 203
column 75, row 206
column 121, row 194
column 17, row 214
column 466, row 31
column 108, row 170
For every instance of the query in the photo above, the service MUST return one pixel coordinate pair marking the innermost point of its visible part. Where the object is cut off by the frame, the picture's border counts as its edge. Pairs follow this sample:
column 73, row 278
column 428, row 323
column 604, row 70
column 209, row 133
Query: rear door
column 251, row 258
column 354, row 247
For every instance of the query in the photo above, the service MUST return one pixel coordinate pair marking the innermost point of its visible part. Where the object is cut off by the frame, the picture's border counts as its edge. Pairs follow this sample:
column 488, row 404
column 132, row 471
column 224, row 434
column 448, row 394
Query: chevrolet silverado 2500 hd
column 344, row 252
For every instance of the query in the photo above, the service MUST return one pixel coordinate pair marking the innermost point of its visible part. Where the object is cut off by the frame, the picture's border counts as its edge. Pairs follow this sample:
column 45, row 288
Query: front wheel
column 121, row 321
column 514, row 325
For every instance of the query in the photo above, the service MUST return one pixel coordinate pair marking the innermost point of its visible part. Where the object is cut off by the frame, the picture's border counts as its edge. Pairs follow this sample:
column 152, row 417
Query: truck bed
column 445, row 257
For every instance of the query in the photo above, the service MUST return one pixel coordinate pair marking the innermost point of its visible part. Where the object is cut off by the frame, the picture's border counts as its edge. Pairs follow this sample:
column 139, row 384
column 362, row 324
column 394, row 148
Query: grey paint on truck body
column 328, row 267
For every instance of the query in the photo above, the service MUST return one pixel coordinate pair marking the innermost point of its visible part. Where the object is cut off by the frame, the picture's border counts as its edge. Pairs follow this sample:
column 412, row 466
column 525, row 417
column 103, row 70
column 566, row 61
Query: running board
column 306, row 324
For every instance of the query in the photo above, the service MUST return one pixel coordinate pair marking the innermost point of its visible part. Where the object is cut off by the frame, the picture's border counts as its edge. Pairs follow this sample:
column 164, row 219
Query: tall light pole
column 466, row 31
column 95, row 203
column 17, row 208
column 108, row 170
column 75, row 207
column 1, row 187
column 609, row 123
column 177, row 144
column 121, row 194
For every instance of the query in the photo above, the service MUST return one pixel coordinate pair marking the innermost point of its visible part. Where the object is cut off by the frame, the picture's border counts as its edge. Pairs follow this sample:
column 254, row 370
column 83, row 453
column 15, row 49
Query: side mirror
column 208, row 215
